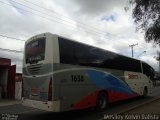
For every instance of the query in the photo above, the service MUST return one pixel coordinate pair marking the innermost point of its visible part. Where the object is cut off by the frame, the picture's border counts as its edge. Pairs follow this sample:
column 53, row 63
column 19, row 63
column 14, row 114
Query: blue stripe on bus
column 108, row 81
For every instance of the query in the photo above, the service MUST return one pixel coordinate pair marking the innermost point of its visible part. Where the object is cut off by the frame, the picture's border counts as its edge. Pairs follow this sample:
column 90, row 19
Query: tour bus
column 60, row 74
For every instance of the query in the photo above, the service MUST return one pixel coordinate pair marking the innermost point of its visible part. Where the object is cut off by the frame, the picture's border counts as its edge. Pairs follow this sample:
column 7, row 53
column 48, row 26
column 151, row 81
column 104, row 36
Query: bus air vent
column 34, row 69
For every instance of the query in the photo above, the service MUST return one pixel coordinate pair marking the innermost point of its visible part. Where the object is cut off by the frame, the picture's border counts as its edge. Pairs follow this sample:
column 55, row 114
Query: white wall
column 18, row 90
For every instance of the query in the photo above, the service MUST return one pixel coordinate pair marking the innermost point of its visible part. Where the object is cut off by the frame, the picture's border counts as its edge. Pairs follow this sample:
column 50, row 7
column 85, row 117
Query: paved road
column 150, row 108
column 26, row 113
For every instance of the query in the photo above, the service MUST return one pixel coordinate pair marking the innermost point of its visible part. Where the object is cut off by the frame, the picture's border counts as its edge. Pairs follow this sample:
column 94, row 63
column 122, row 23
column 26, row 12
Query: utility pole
column 133, row 45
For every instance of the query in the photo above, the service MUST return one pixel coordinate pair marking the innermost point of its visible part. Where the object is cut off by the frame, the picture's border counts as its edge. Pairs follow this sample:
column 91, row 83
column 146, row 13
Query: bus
column 60, row 74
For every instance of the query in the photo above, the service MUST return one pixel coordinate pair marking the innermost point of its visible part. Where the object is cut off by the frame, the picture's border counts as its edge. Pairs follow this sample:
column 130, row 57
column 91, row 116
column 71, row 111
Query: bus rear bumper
column 53, row 106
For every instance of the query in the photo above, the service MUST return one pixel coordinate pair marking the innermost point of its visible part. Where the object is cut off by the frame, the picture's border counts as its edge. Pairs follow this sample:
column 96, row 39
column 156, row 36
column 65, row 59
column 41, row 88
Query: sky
column 101, row 23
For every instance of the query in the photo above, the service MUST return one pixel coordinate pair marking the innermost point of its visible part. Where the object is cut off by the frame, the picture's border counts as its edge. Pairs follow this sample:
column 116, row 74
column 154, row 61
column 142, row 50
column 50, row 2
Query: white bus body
column 61, row 75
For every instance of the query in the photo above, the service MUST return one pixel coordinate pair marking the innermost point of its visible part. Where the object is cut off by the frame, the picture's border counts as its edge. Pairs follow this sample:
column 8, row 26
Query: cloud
column 97, row 7
column 101, row 23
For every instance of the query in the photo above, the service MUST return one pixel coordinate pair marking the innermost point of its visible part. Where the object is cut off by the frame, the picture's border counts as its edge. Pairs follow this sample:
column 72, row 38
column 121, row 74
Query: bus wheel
column 101, row 101
column 145, row 92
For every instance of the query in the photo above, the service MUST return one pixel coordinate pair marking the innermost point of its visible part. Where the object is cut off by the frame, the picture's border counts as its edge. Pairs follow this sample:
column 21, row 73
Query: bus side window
column 66, row 49
column 148, row 71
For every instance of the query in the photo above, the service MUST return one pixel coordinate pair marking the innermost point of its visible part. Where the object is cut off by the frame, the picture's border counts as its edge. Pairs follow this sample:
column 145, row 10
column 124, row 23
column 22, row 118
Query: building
column 7, row 79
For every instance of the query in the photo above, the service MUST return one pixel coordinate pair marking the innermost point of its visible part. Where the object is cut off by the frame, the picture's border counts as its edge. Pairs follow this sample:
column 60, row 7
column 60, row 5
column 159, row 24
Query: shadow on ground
column 82, row 114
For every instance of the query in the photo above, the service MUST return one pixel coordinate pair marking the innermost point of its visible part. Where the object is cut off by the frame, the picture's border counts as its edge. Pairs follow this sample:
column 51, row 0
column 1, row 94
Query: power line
column 37, row 15
column 9, row 50
column 11, row 37
column 71, row 23
column 85, row 26
column 44, row 17
column 30, row 12
column 39, row 11
column 90, row 28
column 141, row 53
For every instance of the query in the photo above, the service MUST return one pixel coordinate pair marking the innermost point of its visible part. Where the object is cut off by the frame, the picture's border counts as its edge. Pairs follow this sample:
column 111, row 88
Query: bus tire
column 145, row 92
column 102, row 101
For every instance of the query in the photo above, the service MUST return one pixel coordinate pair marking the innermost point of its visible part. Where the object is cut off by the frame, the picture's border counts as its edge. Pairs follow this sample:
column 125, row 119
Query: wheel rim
column 102, row 102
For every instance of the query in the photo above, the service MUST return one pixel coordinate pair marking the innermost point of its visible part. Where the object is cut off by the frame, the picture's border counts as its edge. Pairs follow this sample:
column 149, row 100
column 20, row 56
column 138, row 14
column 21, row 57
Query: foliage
column 146, row 14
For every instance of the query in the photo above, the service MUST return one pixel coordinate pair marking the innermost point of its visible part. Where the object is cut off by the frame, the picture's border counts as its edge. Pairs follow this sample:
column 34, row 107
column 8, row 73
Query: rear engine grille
column 34, row 69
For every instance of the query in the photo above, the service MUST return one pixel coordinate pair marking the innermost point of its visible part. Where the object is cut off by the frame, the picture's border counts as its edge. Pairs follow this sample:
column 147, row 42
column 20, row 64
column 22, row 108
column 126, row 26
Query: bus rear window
column 35, row 51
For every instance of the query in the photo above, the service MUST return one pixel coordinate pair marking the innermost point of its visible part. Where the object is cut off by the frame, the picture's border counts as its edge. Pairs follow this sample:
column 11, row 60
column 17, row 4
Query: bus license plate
column 34, row 91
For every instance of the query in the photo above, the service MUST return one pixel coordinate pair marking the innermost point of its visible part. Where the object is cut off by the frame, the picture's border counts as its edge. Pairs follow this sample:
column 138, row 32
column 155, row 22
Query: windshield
column 35, row 51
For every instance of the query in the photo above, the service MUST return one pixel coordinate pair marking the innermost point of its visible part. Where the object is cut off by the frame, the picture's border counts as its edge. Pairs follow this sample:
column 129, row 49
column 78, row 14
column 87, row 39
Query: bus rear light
column 50, row 91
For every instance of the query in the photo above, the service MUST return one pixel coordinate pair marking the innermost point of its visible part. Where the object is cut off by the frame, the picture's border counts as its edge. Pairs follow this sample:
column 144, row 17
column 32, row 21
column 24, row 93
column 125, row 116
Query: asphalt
column 148, row 108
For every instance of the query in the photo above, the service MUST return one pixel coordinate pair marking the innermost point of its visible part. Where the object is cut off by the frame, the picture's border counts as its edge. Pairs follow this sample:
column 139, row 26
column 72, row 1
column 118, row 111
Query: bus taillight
column 50, row 91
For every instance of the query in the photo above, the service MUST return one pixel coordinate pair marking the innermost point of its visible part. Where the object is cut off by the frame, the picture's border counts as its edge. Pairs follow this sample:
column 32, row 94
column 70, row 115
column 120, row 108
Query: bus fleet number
column 77, row 78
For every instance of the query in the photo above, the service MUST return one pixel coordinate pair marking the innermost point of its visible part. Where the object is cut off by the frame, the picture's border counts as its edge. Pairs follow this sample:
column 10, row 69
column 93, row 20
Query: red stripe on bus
column 90, row 100
column 116, row 96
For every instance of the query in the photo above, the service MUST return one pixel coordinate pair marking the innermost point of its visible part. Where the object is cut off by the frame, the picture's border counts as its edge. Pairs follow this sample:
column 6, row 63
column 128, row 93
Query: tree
column 146, row 15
